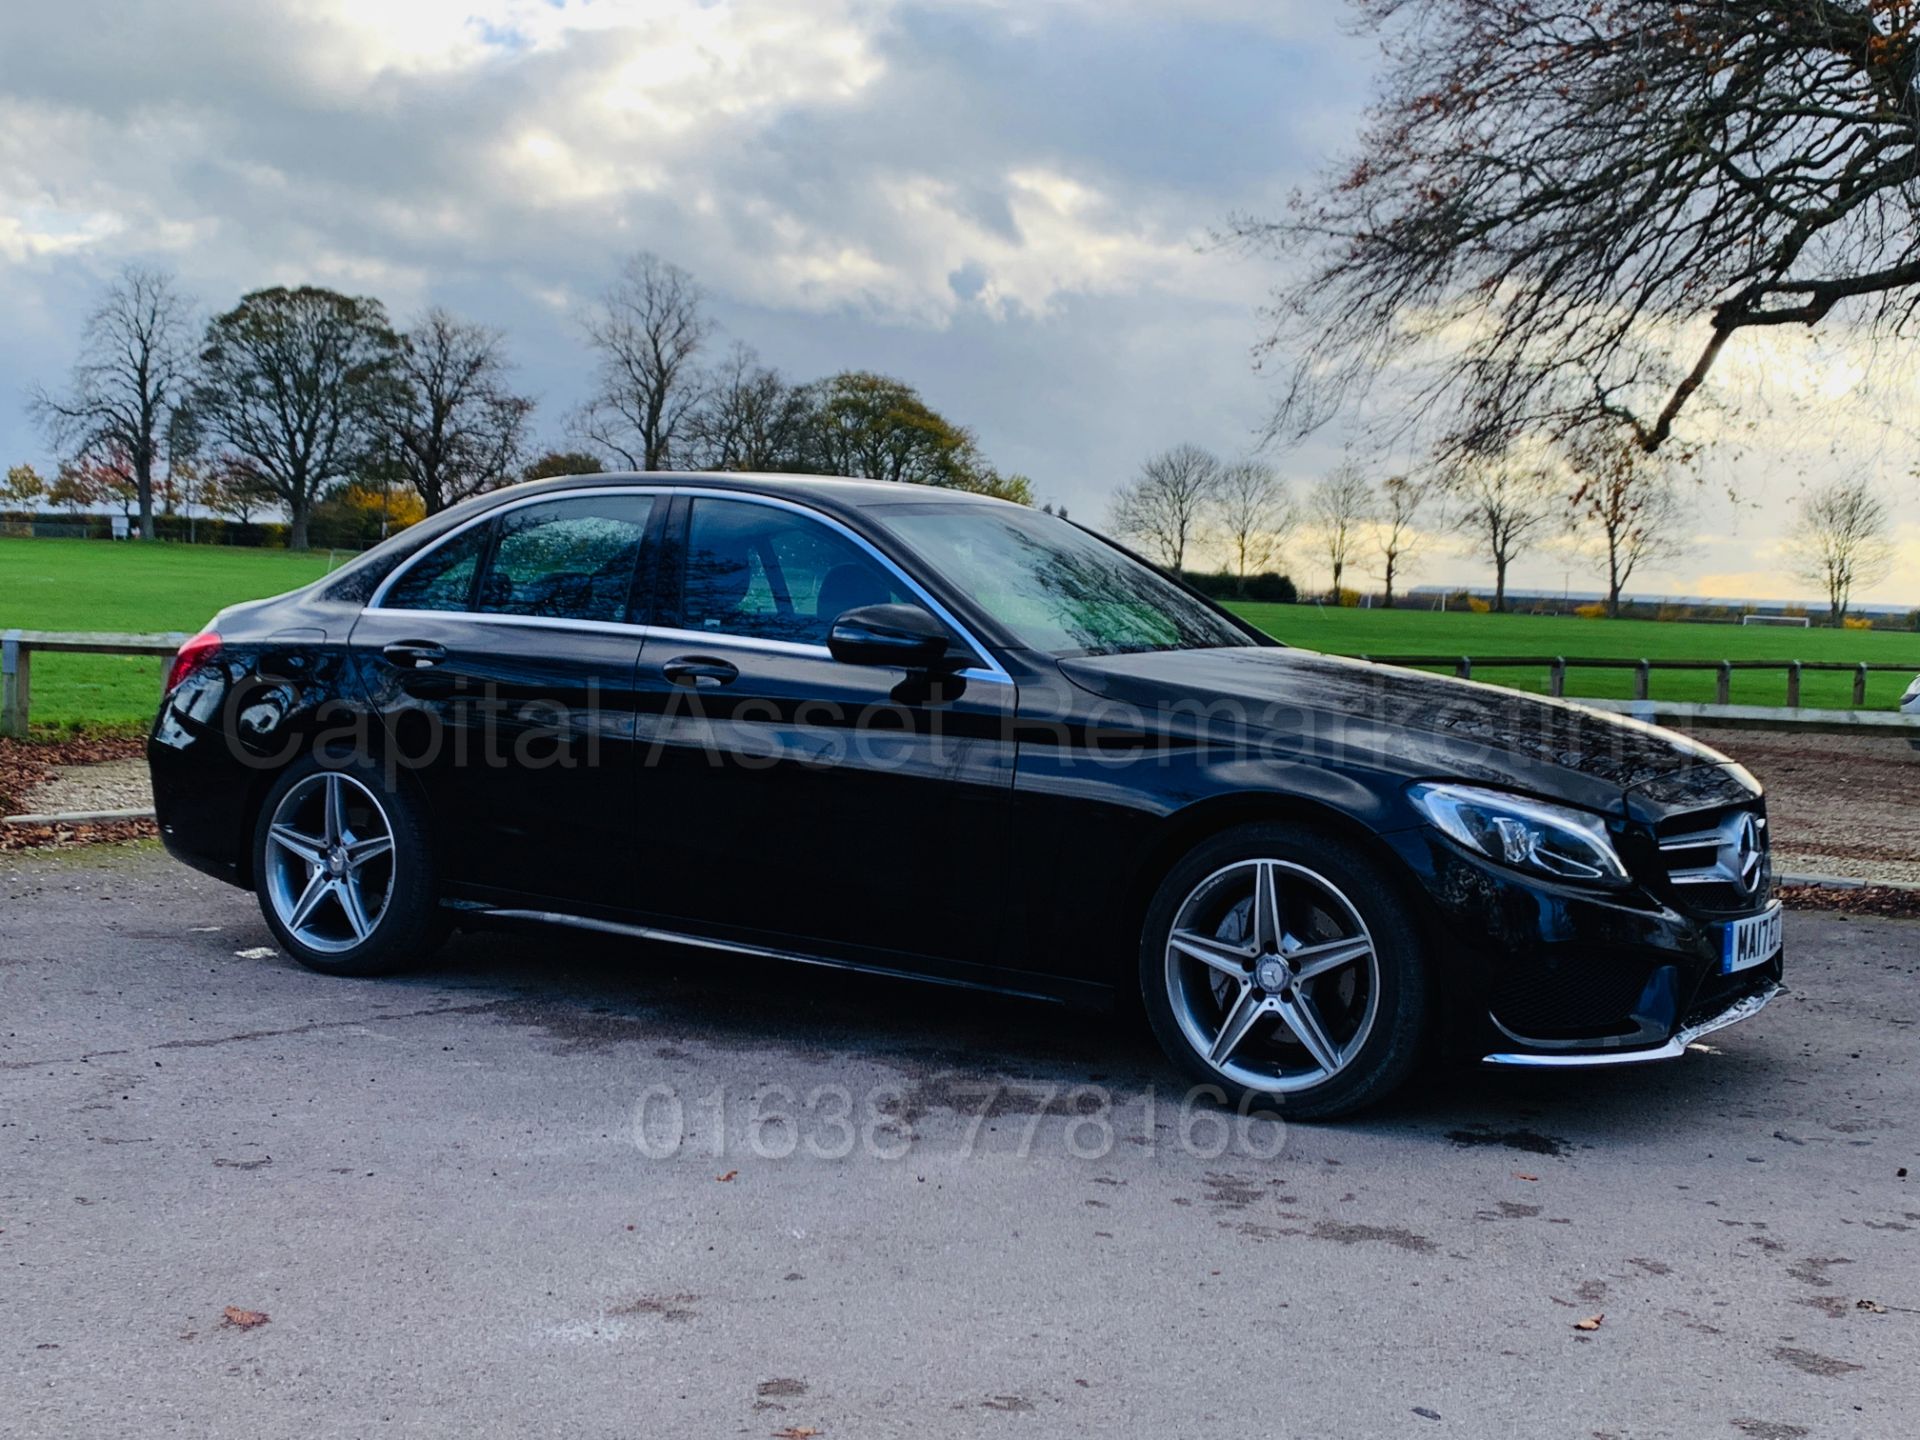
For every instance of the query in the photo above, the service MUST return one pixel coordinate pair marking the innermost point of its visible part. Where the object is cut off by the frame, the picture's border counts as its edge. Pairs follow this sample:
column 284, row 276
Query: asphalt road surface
column 493, row 1199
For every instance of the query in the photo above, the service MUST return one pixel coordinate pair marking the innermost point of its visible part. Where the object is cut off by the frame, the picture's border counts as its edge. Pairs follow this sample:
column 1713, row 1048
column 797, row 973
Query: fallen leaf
column 1592, row 1322
column 1873, row 1307
column 723, row 1179
column 243, row 1319
column 1522, row 1175
column 796, row 1432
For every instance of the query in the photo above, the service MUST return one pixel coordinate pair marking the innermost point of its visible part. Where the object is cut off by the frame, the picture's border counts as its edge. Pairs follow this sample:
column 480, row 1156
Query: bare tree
column 648, row 328
column 1841, row 541
column 1165, row 505
column 1252, row 515
column 453, row 427
column 135, row 360
column 1504, row 505
column 749, row 419
column 1396, row 534
column 293, row 384
column 1562, row 210
column 1337, row 511
column 1628, row 508
column 557, row 463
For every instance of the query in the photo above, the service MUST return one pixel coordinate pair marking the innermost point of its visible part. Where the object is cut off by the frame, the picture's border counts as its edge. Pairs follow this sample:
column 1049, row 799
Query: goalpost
column 1801, row 621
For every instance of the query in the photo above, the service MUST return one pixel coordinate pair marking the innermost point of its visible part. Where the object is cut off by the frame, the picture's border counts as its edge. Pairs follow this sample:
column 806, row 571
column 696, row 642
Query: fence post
column 1723, row 685
column 1860, row 685
column 1465, row 668
column 16, row 689
column 1642, row 675
column 1793, row 686
column 1557, row 677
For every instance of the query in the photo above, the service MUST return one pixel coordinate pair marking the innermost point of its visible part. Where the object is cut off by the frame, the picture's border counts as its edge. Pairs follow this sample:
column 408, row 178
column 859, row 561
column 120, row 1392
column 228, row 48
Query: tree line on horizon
column 1610, row 506
column 298, row 394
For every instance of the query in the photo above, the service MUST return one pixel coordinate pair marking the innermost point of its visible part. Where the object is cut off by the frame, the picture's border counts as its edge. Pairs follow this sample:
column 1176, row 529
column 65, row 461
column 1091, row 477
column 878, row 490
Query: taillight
column 194, row 655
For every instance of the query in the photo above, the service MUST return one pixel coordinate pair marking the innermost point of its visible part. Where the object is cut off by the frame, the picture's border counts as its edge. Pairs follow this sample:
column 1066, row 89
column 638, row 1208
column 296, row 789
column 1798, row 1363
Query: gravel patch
column 109, row 785
column 1845, row 805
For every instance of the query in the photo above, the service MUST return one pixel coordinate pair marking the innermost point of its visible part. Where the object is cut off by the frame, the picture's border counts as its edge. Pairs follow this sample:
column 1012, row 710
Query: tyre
column 1280, row 964
column 343, row 868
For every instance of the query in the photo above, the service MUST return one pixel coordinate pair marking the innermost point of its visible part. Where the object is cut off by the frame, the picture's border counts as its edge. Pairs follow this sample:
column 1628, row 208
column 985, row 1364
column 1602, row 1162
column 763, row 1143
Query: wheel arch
column 301, row 740
column 1193, row 824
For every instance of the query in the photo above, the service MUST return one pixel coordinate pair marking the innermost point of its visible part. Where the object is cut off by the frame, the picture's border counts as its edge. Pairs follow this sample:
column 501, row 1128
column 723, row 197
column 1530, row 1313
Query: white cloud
column 1006, row 202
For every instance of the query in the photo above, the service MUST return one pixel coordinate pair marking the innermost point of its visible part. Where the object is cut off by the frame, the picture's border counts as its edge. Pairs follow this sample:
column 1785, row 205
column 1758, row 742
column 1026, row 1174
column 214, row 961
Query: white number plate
column 1750, row 942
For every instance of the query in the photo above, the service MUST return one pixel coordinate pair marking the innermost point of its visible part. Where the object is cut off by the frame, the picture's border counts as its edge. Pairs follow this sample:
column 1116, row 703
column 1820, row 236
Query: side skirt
column 1078, row 994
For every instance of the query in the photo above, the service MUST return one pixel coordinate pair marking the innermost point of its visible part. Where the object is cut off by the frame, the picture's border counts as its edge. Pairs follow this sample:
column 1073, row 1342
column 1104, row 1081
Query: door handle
column 700, row 672
column 414, row 654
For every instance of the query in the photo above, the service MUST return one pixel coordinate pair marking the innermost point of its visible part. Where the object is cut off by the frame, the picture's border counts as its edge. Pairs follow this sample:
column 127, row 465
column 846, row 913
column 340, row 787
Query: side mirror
column 900, row 635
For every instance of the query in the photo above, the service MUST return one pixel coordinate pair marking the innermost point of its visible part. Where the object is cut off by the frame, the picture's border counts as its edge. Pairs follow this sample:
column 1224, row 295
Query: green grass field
column 1423, row 632
column 93, row 585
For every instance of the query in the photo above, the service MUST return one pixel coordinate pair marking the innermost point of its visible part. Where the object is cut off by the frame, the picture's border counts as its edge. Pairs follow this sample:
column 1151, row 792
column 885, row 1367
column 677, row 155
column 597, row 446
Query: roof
column 831, row 489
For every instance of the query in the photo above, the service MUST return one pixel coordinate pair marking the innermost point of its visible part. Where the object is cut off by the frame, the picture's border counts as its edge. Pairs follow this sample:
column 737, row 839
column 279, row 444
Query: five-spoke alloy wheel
column 329, row 871
column 342, row 870
column 1281, row 965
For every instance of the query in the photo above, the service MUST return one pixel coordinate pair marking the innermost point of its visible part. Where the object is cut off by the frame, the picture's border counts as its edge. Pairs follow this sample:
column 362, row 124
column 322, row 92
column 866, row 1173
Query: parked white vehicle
column 1910, row 702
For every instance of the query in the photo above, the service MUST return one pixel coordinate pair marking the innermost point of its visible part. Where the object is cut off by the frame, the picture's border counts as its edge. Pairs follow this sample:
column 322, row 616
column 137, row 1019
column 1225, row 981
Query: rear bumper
column 201, row 787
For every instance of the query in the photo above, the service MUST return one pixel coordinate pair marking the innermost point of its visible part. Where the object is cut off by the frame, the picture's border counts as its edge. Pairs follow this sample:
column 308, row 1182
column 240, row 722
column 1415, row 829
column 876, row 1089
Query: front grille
column 1716, row 862
column 1573, row 995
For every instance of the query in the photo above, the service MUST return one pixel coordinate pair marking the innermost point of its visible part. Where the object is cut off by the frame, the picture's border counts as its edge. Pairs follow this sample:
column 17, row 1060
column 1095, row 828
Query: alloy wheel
column 330, row 862
column 1273, row 976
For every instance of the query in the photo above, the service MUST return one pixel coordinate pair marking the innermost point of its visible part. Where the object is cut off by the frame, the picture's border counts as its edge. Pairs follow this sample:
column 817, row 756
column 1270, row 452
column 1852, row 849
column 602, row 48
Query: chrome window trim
column 539, row 622
column 740, row 642
column 992, row 670
column 378, row 598
column 785, row 647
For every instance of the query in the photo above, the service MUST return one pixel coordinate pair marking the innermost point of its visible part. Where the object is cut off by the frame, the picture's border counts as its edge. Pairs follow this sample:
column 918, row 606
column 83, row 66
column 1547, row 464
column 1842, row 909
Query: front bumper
column 1673, row 1049
column 1539, row 974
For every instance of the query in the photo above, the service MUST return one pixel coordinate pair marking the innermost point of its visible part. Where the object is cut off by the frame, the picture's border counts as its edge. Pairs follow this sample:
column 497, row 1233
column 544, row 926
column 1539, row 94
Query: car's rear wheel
column 343, row 870
column 1281, row 965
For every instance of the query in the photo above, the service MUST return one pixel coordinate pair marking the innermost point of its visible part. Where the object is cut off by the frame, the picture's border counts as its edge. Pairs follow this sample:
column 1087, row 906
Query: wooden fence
column 1557, row 667
column 17, row 648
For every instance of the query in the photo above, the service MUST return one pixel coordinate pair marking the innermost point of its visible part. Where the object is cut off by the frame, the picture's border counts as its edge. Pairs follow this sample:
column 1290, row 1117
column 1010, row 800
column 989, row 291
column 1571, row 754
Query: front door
column 786, row 795
column 502, row 665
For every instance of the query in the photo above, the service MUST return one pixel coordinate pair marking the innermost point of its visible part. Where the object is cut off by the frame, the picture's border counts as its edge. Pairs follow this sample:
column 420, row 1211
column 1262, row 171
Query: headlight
column 1530, row 835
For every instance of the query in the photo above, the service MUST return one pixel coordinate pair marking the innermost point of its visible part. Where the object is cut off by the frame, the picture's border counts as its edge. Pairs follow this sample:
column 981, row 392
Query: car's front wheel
column 1281, row 965
column 344, row 871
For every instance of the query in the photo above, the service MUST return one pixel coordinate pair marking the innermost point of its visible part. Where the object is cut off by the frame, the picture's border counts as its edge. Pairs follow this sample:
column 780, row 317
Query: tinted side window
column 567, row 559
column 442, row 579
column 771, row 574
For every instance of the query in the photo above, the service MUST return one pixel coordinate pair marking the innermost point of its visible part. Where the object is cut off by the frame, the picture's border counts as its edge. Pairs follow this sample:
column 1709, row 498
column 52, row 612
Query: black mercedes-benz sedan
column 932, row 734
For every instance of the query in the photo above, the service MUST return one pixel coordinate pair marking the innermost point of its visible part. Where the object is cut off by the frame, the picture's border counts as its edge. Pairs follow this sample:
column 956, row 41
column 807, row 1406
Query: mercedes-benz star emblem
column 1746, row 852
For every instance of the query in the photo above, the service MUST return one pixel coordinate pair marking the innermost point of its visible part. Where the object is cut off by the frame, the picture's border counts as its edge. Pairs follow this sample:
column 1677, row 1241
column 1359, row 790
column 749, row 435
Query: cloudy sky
column 1006, row 202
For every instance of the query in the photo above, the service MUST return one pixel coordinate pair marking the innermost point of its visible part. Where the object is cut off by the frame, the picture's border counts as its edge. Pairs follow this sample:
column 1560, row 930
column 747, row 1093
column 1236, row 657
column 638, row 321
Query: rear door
column 784, row 794
column 502, row 665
